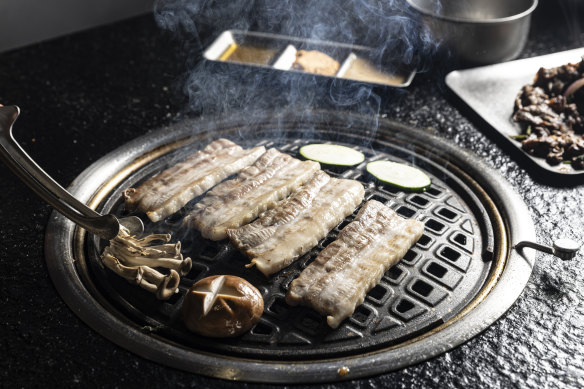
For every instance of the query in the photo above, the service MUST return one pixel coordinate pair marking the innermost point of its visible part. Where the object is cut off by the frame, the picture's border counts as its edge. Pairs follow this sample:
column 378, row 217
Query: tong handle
column 105, row 226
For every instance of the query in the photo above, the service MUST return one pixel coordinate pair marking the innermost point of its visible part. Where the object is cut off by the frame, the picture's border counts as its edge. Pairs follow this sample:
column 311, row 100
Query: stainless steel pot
column 479, row 31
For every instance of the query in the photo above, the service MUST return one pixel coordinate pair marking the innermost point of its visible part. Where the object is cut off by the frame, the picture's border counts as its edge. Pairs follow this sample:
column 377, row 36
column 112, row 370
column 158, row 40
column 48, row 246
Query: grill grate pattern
column 434, row 281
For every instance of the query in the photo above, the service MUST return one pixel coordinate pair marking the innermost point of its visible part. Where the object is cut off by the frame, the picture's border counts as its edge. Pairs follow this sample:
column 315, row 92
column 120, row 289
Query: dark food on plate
column 168, row 191
column 256, row 189
column 284, row 233
column 136, row 260
column 342, row 274
column 222, row 306
column 314, row 61
column 551, row 114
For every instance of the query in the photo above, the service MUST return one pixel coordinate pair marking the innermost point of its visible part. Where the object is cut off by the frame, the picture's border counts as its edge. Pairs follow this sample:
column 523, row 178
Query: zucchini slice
column 399, row 175
column 332, row 154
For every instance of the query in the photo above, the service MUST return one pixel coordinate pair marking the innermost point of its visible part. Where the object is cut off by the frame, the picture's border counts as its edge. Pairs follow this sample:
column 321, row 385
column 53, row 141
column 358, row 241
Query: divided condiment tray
column 278, row 52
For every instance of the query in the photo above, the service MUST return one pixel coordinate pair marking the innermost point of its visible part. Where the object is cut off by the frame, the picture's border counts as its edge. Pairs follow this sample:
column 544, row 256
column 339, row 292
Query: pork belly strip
column 257, row 188
column 286, row 232
column 169, row 191
column 342, row 274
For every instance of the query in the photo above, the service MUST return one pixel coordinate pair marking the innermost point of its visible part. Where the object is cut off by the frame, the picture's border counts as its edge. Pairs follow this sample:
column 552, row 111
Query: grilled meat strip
column 284, row 233
column 168, row 191
column 339, row 278
column 257, row 188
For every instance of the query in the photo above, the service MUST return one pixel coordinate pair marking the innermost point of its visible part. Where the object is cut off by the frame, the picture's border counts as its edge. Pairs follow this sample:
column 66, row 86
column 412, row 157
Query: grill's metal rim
column 62, row 234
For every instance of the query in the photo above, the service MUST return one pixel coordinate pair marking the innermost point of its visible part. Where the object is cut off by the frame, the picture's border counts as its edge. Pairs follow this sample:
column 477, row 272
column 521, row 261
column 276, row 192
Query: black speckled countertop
column 83, row 95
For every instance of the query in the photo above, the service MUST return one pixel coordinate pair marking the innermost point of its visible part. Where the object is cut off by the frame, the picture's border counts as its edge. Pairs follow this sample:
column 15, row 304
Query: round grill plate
column 443, row 282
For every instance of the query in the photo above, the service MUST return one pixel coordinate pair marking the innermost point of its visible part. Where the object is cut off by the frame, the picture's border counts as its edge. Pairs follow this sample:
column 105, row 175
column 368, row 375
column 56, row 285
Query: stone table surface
column 83, row 95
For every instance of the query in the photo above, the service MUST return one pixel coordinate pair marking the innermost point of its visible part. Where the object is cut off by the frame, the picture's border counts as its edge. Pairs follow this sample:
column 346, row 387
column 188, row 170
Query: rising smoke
column 390, row 27
column 572, row 12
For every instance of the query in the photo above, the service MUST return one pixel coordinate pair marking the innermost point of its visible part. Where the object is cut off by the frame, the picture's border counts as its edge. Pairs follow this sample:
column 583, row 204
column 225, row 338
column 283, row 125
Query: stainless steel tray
column 490, row 91
column 278, row 52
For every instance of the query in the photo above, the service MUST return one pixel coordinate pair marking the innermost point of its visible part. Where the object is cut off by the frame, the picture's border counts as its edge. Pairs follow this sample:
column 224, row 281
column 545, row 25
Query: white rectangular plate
column 491, row 90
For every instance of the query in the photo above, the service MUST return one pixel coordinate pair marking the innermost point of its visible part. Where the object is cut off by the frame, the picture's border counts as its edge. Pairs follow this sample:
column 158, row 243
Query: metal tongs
column 104, row 226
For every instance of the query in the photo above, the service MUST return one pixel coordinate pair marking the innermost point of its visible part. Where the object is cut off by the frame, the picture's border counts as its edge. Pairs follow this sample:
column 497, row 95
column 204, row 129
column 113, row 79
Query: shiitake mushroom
column 222, row 306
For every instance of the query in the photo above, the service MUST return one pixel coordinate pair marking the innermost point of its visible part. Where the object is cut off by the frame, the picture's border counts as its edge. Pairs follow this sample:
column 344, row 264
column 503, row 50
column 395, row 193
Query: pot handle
column 105, row 226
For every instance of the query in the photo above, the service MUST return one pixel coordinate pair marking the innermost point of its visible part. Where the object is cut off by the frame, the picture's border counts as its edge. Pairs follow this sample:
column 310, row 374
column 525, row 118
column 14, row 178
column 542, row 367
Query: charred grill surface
column 434, row 281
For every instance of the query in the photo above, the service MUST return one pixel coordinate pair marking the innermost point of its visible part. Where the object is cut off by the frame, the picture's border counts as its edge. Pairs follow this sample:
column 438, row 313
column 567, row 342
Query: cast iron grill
column 450, row 271
column 430, row 286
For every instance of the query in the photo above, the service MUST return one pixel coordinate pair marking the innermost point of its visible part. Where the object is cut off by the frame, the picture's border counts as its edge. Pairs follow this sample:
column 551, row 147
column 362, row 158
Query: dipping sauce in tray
column 363, row 70
column 248, row 54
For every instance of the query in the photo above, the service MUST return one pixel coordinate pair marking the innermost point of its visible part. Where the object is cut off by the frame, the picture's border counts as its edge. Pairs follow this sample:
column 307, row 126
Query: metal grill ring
column 452, row 269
